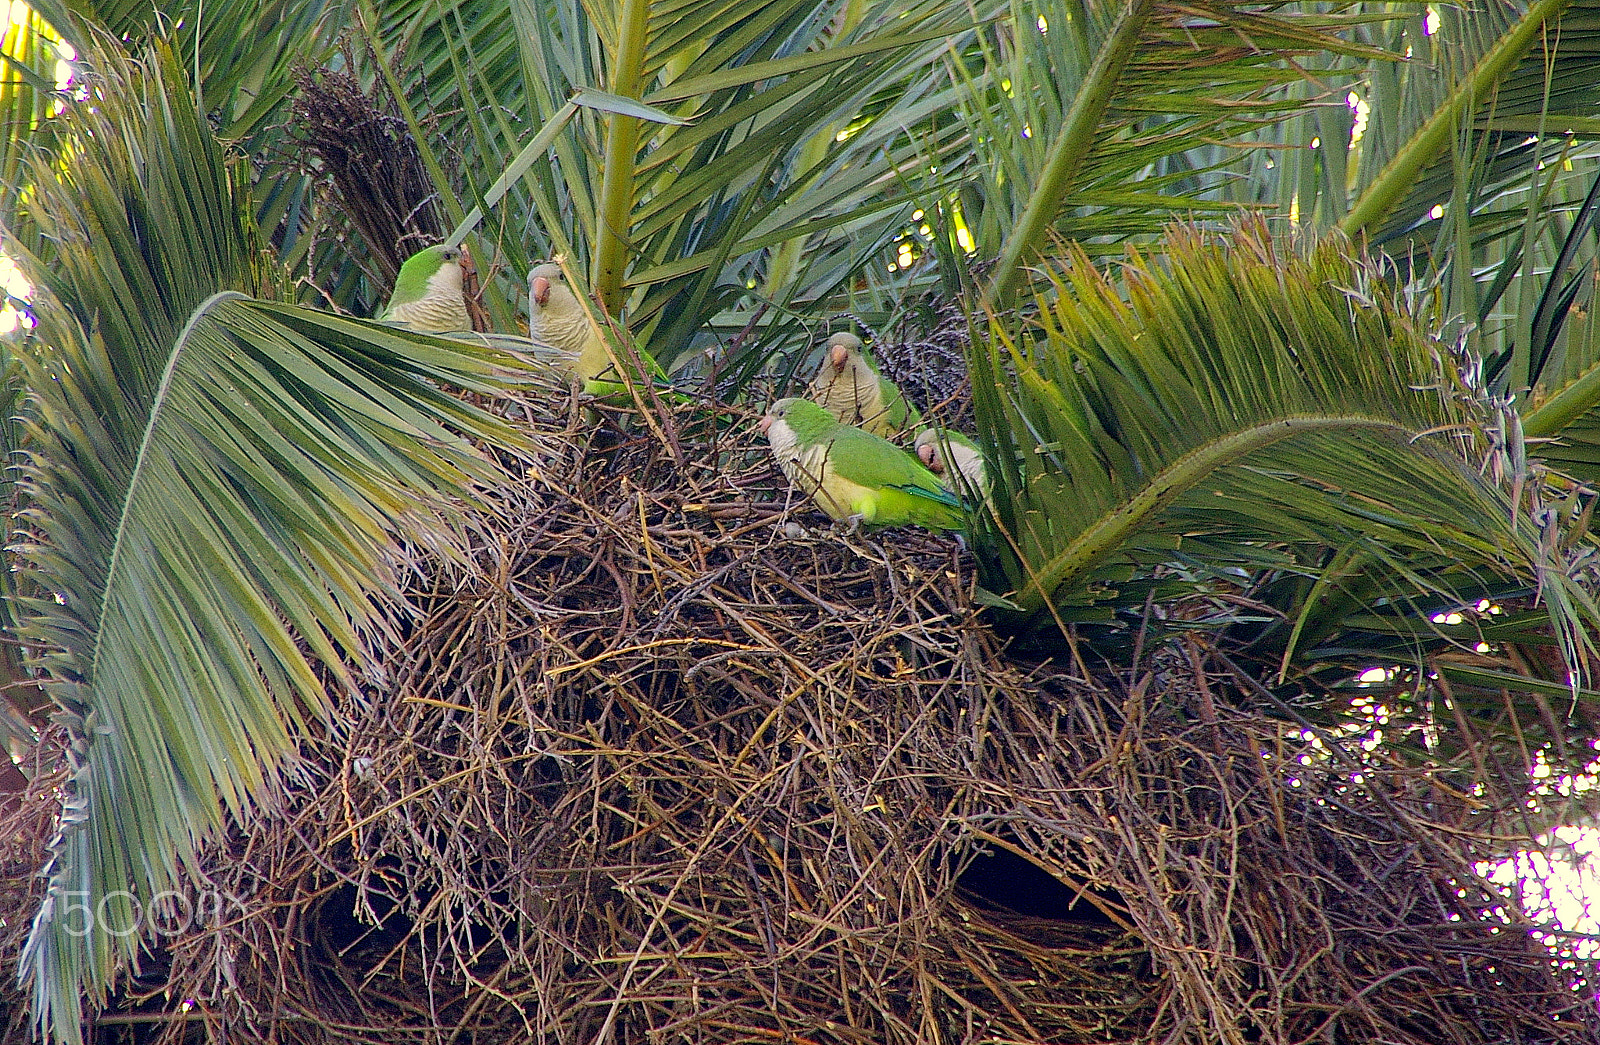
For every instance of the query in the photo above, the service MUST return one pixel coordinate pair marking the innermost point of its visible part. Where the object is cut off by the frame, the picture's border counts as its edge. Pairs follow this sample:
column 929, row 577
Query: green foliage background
column 210, row 458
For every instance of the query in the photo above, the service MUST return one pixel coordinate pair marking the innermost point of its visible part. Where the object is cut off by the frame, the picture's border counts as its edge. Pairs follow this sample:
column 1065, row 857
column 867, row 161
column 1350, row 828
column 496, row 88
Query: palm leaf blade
column 216, row 489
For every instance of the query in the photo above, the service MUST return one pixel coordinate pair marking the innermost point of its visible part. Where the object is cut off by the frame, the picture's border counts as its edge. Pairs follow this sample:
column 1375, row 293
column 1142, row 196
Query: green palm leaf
column 215, row 490
column 1250, row 411
column 678, row 228
column 1489, row 57
column 243, row 51
column 1472, row 159
column 1132, row 89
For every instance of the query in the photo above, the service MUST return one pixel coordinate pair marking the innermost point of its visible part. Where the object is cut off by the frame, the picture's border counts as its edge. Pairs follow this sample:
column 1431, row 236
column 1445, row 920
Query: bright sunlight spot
column 964, row 238
column 12, row 280
column 1437, row 211
column 1448, row 618
column 15, row 289
column 1044, row 26
column 1559, row 882
column 1430, row 23
column 1558, row 878
column 1363, row 111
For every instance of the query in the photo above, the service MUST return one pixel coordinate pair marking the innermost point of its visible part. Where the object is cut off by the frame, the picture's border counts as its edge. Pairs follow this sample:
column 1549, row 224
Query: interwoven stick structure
column 659, row 764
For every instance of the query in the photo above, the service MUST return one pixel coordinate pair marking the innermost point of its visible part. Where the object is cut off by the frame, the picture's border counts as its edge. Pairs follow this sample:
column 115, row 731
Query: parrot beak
column 540, row 289
column 837, row 355
column 765, row 423
column 467, row 264
column 930, row 457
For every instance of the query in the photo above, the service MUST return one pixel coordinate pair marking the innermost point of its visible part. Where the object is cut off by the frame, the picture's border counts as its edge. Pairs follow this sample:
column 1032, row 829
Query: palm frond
column 1232, row 407
column 215, row 489
column 1105, row 146
column 695, row 211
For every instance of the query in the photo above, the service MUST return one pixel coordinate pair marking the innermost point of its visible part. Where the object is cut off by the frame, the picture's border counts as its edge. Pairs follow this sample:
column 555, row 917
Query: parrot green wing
column 906, row 491
column 872, row 460
column 900, row 505
column 608, row 383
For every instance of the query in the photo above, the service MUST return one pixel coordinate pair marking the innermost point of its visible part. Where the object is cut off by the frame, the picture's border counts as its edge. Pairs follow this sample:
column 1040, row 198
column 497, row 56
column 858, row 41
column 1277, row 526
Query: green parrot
column 427, row 295
column 939, row 446
column 849, row 386
column 555, row 316
column 853, row 475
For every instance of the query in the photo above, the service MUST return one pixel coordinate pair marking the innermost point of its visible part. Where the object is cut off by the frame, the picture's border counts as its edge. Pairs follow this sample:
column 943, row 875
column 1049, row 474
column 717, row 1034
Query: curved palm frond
column 1087, row 152
column 1231, row 411
column 214, row 495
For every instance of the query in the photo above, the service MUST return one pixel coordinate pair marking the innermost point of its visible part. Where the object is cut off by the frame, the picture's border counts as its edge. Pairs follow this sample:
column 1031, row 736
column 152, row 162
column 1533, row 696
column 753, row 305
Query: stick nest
column 657, row 764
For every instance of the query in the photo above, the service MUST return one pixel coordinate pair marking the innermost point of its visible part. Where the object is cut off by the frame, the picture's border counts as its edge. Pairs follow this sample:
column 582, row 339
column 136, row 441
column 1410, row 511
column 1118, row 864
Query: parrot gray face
column 541, row 280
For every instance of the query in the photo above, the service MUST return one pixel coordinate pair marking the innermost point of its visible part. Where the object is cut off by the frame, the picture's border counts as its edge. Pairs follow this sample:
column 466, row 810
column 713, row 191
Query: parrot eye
column 450, row 255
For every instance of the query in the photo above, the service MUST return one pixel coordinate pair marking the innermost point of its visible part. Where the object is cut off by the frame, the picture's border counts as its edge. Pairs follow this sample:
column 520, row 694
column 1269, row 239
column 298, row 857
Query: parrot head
column 927, row 447
column 778, row 411
column 841, row 347
column 435, row 270
column 544, row 281
column 801, row 416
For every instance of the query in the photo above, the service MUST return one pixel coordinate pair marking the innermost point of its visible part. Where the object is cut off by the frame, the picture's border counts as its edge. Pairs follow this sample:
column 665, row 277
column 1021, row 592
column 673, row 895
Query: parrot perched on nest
column 848, row 384
column 427, row 294
column 853, row 475
column 555, row 316
column 941, row 447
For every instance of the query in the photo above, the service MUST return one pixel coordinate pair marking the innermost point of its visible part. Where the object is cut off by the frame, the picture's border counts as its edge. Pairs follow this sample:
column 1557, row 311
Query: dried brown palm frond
column 368, row 169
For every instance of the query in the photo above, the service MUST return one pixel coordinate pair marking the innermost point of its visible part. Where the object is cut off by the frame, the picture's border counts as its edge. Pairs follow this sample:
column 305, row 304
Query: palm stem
column 1113, row 530
column 622, row 147
column 1070, row 149
column 1429, row 143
